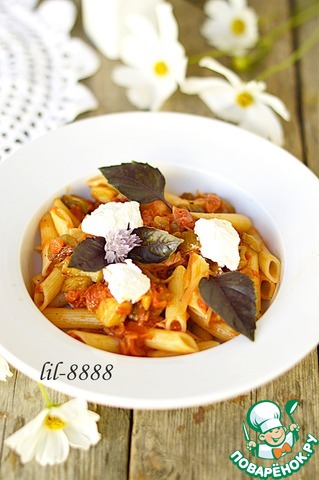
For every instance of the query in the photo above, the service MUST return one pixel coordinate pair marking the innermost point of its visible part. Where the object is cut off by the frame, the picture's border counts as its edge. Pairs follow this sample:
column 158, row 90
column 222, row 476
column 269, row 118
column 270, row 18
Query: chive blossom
column 119, row 243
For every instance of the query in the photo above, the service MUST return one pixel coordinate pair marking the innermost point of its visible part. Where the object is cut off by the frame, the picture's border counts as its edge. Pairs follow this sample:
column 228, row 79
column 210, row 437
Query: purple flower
column 119, row 243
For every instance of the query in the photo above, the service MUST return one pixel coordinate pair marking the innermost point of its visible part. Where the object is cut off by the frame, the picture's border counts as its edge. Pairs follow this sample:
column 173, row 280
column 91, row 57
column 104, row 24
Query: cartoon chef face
column 264, row 417
column 273, row 437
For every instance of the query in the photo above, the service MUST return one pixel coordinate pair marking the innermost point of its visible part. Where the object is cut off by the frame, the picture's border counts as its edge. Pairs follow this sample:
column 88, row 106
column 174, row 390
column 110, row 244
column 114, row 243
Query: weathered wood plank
column 309, row 92
column 302, row 384
column 24, row 402
column 195, row 444
column 283, row 84
column 198, row 442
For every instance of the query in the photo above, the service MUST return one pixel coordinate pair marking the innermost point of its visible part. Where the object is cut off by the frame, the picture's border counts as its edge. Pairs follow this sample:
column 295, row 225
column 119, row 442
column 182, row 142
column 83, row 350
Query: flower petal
column 139, row 91
column 82, row 432
column 52, row 447
column 4, row 369
column 167, row 25
column 221, row 27
column 239, row 4
column 217, row 67
column 139, row 51
column 217, row 8
column 25, row 440
column 70, row 410
column 261, row 120
column 140, row 97
column 197, row 85
column 276, row 104
column 127, row 76
column 223, row 105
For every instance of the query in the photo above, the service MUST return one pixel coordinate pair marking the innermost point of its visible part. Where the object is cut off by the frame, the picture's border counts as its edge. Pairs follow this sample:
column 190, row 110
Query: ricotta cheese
column 126, row 281
column 219, row 241
column 112, row 216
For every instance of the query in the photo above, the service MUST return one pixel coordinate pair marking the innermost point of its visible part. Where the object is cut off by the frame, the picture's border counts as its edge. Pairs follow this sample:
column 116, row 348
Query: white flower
column 104, row 21
column 246, row 104
column 49, row 436
column 4, row 369
column 232, row 26
column 155, row 60
column 126, row 281
column 112, row 216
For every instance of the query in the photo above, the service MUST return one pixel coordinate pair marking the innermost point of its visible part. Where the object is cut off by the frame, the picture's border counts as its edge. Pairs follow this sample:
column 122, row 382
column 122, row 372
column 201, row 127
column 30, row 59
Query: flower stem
column 266, row 42
column 293, row 58
column 295, row 21
column 45, row 396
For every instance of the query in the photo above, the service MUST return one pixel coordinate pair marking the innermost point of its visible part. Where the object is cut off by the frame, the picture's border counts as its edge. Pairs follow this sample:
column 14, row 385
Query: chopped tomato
column 56, row 245
column 213, row 203
column 89, row 297
column 183, row 218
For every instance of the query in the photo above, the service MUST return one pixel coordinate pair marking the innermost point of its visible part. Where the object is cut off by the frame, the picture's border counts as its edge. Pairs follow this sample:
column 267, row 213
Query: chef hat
column 263, row 416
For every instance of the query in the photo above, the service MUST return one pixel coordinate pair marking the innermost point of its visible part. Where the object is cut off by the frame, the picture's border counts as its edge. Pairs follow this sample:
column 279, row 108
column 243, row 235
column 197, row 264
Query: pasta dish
column 138, row 270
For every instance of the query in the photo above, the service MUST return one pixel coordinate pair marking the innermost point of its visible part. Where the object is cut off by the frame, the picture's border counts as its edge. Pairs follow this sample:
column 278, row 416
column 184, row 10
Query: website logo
column 274, row 439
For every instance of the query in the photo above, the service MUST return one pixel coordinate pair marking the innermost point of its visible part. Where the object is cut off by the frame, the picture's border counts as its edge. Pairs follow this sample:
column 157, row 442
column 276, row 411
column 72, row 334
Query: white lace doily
column 40, row 65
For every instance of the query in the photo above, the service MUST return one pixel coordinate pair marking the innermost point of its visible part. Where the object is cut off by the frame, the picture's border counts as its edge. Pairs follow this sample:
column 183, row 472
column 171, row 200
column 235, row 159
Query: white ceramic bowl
column 261, row 180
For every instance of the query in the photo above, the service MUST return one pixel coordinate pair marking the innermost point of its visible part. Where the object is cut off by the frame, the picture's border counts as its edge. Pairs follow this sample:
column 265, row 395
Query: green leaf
column 232, row 296
column 157, row 245
column 137, row 181
column 89, row 255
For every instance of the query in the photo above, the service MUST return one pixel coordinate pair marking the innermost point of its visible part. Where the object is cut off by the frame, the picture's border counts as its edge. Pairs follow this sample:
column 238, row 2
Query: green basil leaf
column 137, row 181
column 157, row 245
column 89, row 255
column 232, row 296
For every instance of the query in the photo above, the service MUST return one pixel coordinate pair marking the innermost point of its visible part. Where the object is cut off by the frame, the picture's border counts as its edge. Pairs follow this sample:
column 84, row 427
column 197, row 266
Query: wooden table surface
column 194, row 443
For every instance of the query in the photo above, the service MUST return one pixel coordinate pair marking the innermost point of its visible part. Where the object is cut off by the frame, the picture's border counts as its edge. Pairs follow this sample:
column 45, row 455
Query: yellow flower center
column 160, row 68
column 238, row 26
column 244, row 99
column 54, row 423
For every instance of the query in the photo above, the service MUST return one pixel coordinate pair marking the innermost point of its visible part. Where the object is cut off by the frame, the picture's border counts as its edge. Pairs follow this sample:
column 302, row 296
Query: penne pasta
column 208, row 344
column 268, row 263
column 201, row 334
column 101, row 190
column 48, row 232
column 267, row 287
column 176, row 309
column 170, row 341
column 241, row 223
column 75, row 318
column 214, row 325
column 47, row 290
column 163, row 314
column 62, row 217
column 97, row 340
column 59, row 301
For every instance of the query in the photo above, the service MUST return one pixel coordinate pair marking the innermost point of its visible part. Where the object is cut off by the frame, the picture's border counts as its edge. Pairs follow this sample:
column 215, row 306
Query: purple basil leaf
column 137, row 181
column 157, row 245
column 89, row 255
column 232, row 296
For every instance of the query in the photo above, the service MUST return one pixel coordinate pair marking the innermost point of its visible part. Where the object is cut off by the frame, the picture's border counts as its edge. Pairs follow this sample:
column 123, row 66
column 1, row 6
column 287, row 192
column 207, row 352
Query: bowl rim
column 175, row 129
